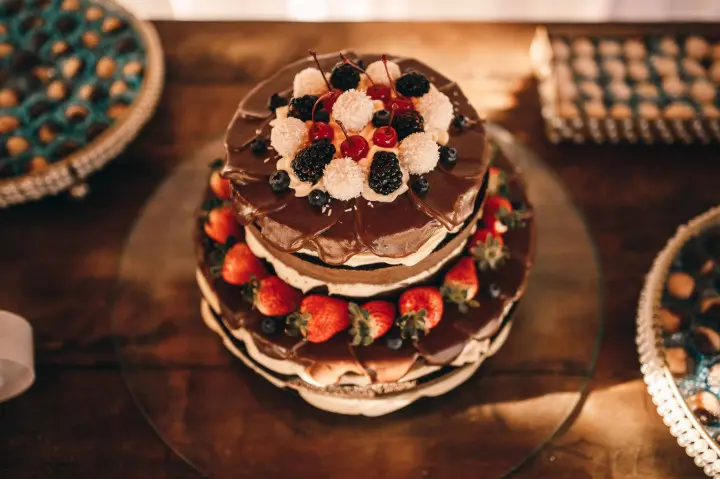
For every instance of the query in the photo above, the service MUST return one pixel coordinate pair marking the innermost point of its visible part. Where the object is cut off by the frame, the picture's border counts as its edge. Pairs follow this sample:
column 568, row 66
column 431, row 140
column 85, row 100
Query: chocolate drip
column 393, row 230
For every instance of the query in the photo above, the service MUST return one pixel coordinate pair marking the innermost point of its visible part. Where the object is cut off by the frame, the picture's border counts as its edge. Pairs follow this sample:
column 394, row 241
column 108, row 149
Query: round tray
column 71, row 171
column 661, row 385
column 223, row 418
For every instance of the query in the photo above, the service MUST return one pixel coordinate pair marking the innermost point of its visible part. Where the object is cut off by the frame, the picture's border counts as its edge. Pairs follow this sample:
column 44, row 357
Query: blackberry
column 407, row 123
column 421, row 186
column 259, row 145
column 412, row 84
column 381, row 118
column 310, row 162
column 344, row 76
column 385, row 175
column 279, row 181
column 448, row 155
column 276, row 100
column 318, row 198
column 302, row 107
column 322, row 116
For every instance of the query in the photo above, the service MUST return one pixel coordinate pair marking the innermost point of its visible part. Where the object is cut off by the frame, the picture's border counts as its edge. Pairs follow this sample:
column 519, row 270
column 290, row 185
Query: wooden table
column 59, row 258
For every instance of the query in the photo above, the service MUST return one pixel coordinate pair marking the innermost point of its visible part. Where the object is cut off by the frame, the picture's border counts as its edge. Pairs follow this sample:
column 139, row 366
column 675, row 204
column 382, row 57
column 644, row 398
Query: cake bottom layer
column 352, row 399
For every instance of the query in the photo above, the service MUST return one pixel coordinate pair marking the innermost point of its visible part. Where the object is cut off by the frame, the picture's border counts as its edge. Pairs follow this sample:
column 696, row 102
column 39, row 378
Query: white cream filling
column 359, row 290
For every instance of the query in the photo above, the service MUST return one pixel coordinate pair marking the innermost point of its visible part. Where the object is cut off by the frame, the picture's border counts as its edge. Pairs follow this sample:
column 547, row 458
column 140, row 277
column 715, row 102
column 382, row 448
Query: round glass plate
column 225, row 420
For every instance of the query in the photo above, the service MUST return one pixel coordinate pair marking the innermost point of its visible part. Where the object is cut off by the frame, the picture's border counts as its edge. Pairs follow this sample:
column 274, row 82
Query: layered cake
column 362, row 242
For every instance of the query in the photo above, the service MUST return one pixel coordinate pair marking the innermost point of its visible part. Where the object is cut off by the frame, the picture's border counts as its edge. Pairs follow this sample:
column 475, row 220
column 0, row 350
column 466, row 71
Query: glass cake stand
column 226, row 421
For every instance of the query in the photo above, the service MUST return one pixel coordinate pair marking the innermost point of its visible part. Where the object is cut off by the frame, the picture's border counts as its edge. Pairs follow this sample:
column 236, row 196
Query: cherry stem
column 342, row 127
column 392, row 115
column 356, row 66
column 384, row 60
column 317, row 102
column 317, row 62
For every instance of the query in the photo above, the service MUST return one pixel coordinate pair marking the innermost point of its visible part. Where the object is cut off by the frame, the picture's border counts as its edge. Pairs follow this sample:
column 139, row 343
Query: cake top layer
column 370, row 156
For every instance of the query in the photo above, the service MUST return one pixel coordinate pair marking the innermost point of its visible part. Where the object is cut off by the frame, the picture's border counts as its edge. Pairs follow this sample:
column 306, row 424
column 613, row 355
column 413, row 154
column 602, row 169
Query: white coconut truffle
column 354, row 109
column 419, row 153
column 309, row 82
column 288, row 135
column 696, row 47
column 376, row 71
column 344, row 179
column 436, row 109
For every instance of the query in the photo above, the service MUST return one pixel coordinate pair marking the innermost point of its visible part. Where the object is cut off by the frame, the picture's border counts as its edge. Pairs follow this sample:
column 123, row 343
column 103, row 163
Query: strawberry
column 497, row 181
column 221, row 224
column 370, row 321
column 500, row 216
column 481, row 236
column 461, row 284
column 421, row 309
column 272, row 296
column 489, row 253
column 319, row 319
column 220, row 186
column 241, row 266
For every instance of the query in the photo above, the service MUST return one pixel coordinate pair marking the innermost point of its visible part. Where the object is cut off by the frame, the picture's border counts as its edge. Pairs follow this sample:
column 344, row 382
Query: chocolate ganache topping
column 341, row 229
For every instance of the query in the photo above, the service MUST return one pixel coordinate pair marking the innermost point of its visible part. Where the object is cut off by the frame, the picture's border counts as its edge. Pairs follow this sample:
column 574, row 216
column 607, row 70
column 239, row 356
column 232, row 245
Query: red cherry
column 356, row 147
column 379, row 92
column 385, row 136
column 320, row 130
column 400, row 105
column 328, row 99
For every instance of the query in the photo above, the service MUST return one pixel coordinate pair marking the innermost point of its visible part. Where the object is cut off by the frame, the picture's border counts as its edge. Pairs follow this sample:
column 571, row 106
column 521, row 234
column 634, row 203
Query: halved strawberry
column 421, row 309
column 482, row 235
column 241, row 266
column 370, row 321
column 319, row 319
column 221, row 224
column 273, row 296
column 220, row 186
column 490, row 253
column 461, row 284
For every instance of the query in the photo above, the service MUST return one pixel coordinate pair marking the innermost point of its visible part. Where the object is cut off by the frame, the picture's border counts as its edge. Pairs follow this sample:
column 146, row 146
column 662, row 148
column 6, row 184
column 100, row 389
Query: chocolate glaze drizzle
column 392, row 230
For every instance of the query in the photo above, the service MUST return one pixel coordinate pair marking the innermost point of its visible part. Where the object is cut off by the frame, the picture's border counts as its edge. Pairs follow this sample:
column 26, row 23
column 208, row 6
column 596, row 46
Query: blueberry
column 421, row 186
column 448, row 155
column 493, row 290
column 394, row 342
column 259, row 145
column 318, row 198
column 276, row 100
column 460, row 122
column 279, row 181
column 381, row 118
column 322, row 116
column 268, row 326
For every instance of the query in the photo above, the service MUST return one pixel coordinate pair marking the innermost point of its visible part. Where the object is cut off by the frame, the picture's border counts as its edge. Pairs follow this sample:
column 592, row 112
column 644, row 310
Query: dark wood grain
column 59, row 258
